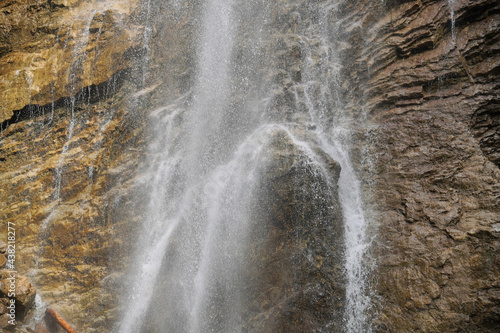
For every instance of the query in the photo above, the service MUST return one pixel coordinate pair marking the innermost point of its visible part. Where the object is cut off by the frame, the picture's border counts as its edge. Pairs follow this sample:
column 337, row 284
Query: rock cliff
column 420, row 79
column 426, row 75
column 69, row 148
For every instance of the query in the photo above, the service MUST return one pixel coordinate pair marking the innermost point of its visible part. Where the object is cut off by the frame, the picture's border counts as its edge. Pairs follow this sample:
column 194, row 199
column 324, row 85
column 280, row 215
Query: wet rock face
column 71, row 168
column 426, row 73
column 69, row 196
column 295, row 259
column 287, row 275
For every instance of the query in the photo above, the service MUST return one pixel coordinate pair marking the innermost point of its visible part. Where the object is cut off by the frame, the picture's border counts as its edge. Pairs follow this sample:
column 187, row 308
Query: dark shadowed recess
column 85, row 96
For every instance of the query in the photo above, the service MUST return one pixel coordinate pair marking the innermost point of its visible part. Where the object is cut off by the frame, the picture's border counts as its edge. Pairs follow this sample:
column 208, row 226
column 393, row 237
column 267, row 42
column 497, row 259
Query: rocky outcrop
column 71, row 155
column 21, row 287
column 17, row 294
column 52, row 49
column 426, row 74
column 296, row 281
column 76, row 202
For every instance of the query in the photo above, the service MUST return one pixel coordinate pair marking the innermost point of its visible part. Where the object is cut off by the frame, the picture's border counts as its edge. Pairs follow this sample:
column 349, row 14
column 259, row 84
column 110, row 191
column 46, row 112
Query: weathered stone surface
column 70, row 171
column 3, row 308
column 53, row 49
column 4, row 323
column 24, row 291
column 430, row 157
column 295, row 270
column 69, row 245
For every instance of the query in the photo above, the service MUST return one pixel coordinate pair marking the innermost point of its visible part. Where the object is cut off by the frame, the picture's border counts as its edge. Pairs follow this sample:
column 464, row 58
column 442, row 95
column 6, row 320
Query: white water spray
column 334, row 135
column 203, row 175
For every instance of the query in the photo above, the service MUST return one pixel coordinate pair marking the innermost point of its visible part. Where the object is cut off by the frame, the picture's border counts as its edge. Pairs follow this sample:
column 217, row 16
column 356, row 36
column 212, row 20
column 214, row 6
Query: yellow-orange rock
column 52, row 49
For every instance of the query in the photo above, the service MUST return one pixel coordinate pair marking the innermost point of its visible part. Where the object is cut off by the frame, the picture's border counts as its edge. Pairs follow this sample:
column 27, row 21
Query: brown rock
column 296, row 281
column 430, row 159
column 89, row 231
column 25, row 292
column 4, row 322
column 3, row 260
column 68, row 245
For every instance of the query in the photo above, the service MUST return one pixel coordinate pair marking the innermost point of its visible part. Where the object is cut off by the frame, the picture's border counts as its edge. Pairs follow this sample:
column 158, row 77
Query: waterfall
column 209, row 164
column 187, row 184
column 451, row 4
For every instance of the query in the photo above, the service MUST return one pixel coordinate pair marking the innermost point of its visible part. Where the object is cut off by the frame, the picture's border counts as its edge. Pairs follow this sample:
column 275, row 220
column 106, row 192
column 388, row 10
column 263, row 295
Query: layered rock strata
column 426, row 75
column 72, row 145
column 70, row 199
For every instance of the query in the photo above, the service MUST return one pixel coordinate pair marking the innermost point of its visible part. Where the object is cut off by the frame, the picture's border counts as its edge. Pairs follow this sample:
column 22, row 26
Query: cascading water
column 451, row 5
column 320, row 78
column 179, row 193
column 210, row 160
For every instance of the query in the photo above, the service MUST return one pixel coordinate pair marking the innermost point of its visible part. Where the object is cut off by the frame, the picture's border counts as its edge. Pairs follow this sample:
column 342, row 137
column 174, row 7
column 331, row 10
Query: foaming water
column 187, row 186
column 211, row 218
column 357, row 242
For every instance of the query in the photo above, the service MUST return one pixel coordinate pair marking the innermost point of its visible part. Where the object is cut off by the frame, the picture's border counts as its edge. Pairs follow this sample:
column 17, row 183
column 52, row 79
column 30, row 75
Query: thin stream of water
column 451, row 5
column 82, row 22
column 334, row 135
